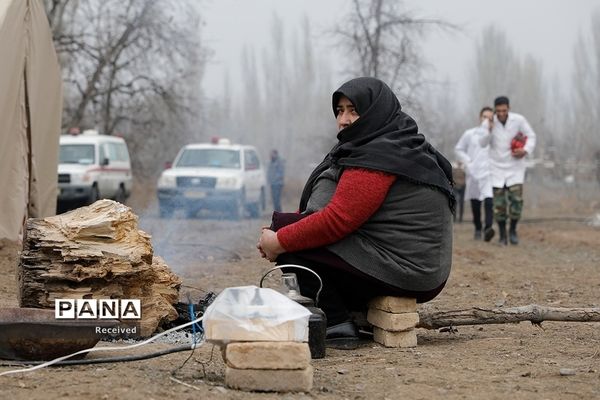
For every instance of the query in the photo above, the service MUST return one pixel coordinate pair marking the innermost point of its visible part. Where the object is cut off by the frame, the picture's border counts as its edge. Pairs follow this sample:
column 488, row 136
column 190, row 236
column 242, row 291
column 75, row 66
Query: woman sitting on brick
column 375, row 217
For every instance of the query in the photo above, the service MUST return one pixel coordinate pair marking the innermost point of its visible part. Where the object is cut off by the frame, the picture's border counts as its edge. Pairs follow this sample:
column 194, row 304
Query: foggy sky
column 545, row 29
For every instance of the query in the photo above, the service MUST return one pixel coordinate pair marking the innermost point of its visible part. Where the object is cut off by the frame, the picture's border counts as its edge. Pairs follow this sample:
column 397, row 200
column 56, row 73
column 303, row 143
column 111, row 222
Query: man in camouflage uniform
column 510, row 140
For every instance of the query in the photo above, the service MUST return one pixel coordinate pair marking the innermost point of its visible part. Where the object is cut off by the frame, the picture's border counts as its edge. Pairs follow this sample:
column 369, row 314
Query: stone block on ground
column 391, row 321
column 395, row 305
column 267, row 355
column 395, row 339
column 266, row 380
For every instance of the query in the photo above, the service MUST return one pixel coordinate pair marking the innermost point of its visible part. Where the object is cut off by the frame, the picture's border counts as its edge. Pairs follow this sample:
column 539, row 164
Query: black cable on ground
column 104, row 360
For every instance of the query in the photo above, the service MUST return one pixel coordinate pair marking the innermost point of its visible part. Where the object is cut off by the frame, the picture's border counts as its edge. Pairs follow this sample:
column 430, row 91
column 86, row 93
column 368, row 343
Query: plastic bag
column 250, row 313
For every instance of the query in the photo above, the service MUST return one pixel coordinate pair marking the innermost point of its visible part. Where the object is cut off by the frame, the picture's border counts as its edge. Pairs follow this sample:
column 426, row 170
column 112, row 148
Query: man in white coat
column 479, row 186
column 510, row 139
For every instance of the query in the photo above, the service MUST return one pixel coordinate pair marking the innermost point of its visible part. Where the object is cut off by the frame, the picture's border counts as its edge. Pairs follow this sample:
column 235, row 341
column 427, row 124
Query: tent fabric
column 30, row 115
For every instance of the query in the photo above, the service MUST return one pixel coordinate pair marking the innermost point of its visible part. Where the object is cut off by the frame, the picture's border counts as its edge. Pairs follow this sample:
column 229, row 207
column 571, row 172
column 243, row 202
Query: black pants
column 488, row 210
column 345, row 288
column 276, row 196
column 460, row 200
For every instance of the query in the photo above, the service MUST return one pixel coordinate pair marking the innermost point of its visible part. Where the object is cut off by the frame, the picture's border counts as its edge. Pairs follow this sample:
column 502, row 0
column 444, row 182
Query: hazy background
column 169, row 72
column 165, row 73
column 547, row 30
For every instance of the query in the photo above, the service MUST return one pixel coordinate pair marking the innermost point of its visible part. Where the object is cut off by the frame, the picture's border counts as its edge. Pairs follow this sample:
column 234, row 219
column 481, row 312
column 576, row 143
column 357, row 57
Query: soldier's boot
column 488, row 233
column 512, row 233
column 502, row 232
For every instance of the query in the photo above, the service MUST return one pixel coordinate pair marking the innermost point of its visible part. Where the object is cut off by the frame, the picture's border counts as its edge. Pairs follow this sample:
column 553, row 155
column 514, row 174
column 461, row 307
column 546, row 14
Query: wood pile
column 96, row 252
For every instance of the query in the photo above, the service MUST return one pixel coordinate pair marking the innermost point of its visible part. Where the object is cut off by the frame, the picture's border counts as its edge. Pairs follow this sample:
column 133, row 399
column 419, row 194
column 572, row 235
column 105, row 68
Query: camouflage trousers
column 508, row 202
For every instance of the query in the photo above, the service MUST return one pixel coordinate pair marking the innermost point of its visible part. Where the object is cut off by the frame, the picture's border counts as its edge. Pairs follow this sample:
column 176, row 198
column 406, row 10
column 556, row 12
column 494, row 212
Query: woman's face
column 346, row 113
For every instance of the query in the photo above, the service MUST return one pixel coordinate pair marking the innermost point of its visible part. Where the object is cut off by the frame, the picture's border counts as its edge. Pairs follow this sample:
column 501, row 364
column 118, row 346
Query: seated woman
column 375, row 217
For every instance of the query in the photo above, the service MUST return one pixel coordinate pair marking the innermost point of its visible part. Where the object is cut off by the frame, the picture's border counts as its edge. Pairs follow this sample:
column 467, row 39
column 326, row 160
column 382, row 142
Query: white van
column 218, row 176
column 93, row 167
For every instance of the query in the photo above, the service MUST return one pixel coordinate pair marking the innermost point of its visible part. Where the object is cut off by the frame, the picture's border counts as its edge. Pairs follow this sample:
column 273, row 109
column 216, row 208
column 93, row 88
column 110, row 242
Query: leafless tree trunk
column 132, row 67
column 285, row 100
column 441, row 120
column 584, row 124
column 383, row 39
column 498, row 70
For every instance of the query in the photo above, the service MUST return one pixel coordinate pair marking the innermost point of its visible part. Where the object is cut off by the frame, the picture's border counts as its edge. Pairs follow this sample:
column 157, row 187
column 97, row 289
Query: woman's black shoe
column 342, row 336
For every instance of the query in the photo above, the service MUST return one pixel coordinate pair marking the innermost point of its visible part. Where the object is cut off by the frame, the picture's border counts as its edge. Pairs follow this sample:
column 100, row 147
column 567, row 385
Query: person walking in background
column 478, row 185
column 458, row 173
column 275, row 175
column 510, row 139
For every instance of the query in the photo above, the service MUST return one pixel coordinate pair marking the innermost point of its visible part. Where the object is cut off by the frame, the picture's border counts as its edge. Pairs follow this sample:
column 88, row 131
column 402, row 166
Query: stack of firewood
column 96, row 252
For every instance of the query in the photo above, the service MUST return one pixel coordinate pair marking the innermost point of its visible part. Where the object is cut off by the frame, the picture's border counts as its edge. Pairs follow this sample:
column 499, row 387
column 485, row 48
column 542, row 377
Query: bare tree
column 499, row 70
column 584, row 132
column 284, row 101
column 311, row 129
column 496, row 70
column 442, row 121
column 383, row 39
column 251, row 119
column 132, row 67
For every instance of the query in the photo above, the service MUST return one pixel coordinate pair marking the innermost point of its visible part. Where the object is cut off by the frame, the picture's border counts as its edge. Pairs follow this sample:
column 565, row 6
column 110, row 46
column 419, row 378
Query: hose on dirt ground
column 103, row 360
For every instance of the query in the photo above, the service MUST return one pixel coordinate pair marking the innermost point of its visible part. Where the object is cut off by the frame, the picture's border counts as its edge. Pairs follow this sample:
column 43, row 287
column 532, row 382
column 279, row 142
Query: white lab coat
column 504, row 168
column 476, row 160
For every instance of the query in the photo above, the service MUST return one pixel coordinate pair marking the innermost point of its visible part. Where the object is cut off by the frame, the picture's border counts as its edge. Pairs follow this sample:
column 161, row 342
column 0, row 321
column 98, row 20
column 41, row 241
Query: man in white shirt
column 510, row 139
column 479, row 187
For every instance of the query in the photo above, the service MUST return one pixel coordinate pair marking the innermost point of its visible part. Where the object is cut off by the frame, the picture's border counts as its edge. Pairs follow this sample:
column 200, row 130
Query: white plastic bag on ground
column 250, row 313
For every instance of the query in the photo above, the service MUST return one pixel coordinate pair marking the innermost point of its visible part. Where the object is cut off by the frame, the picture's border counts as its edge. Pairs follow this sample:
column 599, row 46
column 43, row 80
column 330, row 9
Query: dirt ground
column 557, row 264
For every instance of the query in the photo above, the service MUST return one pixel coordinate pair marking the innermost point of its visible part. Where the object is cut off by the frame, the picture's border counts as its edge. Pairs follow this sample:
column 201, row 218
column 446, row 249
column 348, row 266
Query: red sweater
column 359, row 193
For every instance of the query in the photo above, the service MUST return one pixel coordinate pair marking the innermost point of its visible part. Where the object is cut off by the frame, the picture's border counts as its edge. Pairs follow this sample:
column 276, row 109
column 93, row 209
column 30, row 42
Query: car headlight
column 79, row 178
column 227, row 183
column 167, row 181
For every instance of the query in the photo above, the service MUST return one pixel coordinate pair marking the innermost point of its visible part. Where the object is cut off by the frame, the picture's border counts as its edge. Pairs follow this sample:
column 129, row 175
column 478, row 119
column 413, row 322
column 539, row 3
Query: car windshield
column 77, row 154
column 212, row 158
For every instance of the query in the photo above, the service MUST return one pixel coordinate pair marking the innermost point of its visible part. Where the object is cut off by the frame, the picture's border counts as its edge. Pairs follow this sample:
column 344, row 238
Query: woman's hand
column 268, row 245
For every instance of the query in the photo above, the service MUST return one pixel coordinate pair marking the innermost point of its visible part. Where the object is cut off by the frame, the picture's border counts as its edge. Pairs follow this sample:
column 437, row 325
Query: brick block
column 396, row 305
column 268, row 380
column 392, row 322
column 267, row 355
column 395, row 339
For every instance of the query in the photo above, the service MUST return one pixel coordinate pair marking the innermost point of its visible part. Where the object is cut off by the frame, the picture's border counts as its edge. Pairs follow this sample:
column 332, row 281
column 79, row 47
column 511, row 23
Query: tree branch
column 534, row 313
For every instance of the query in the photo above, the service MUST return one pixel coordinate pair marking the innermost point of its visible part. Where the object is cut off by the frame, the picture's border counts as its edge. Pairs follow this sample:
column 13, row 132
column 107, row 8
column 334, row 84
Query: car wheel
column 254, row 209
column 263, row 200
column 238, row 208
column 94, row 195
column 191, row 212
column 61, row 207
column 120, row 195
column 165, row 211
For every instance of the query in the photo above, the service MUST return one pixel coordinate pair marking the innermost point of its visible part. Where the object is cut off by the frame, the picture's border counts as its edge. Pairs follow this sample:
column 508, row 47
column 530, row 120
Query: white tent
column 30, row 115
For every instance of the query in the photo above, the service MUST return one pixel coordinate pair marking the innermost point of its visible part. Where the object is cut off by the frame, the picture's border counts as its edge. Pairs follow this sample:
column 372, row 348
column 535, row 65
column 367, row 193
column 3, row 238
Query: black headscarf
column 383, row 138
